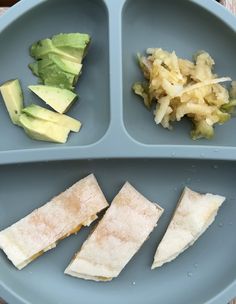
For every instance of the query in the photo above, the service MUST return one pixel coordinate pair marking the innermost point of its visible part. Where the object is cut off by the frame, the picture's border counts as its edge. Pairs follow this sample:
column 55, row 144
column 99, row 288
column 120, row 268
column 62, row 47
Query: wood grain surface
column 230, row 4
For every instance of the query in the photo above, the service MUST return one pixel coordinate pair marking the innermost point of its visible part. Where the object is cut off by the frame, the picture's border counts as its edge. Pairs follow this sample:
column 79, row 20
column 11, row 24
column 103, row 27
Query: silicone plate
column 124, row 143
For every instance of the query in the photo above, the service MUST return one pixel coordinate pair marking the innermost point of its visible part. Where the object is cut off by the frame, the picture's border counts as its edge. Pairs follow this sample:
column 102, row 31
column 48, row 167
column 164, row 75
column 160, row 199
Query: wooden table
column 230, row 4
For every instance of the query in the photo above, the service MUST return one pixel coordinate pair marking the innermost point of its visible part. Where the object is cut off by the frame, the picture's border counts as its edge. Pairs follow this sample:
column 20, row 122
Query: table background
column 5, row 4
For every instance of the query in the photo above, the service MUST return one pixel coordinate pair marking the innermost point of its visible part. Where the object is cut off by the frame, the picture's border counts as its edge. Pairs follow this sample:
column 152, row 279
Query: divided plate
column 121, row 138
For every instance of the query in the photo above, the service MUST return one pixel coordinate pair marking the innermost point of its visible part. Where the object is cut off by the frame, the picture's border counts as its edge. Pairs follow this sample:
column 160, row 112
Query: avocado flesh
column 43, row 130
column 75, row 44
column 44, row 63
column 13, row 98
column 66, row 65
column 43, row 48
column 75, row 40
column 72, row 47
column 48, row 115
column 58, row 72
column 59, row 99
column 60, row 81
column 38, row 66
column 74, row 53
column 58, row 60
column 34, row 68
column 53, row 76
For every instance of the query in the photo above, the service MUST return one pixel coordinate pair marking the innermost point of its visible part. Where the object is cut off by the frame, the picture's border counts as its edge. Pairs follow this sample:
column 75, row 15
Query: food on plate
column 38, row 112
column 66, row 65
column 13, row 98
column 58, row 65
column 231, row 106
column 43, row 124
column 183, row 88
column 232, row 91
column 57, row 71
column 194, row 213
column 39, row 129
column 118, row 236
column 70, row 46
column 58, row 99
column 40, row 123
column 58, row 60
column 64, row 215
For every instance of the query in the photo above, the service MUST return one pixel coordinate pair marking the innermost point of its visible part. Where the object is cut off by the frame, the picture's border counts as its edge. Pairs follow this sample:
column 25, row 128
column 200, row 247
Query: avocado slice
column 43, row 48
column 34, row 68
column 53, row 76
column 13, row 98
column 75, row 44
column 43, row 130
column 38, row 66
column 74, row 40
column 63, row 120
column 59, row 99
column 66, row 65
column 55, row 71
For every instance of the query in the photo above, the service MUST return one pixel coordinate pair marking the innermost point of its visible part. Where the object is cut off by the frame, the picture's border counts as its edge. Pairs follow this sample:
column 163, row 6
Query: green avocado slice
column 13, row 98
column 59, row 99
column 43, row 130
column 70, row 47
column 63, row 120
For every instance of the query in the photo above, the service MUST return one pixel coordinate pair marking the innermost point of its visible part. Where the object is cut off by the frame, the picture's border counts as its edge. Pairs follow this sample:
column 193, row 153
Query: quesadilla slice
column 64, row 215
column 119, row 235
column 195, row 212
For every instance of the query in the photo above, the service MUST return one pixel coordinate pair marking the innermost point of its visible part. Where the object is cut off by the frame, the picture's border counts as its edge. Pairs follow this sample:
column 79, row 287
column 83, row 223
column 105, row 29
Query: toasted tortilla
column 195, row 212
column 119, row 235
column 43, row 228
